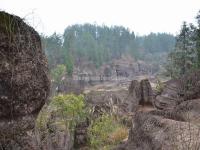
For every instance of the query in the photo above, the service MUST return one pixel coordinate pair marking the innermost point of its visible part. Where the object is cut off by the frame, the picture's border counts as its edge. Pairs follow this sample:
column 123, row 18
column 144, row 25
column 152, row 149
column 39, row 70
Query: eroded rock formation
column 175, row 122
column 179, row 90
column 24, row 84
column 140, row 93
column 151, row 132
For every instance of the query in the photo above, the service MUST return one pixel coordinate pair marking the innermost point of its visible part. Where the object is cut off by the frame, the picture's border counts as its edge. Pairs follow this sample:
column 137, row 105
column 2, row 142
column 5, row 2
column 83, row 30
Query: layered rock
column 179, row 90
column 151, row 132
column 175, row 124
column 24, row 84
column 140, row 93
column 170, row 96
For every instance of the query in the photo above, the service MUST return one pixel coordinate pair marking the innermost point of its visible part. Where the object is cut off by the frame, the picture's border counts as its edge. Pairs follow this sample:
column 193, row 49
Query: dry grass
column 119, row 135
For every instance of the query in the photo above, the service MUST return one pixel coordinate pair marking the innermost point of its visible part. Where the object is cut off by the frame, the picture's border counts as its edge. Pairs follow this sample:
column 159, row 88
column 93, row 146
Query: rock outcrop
column 140, row 93
column 24, row 84
column 170, row 96
column 51, row 133
column 146, row 93
column 151, row 132
column 81, row 137
column 179, row 90
column 122, row 68
column 175, row 122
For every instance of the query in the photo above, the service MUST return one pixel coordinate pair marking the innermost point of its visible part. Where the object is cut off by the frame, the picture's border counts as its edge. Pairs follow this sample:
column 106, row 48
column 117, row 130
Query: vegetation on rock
column 106, row 132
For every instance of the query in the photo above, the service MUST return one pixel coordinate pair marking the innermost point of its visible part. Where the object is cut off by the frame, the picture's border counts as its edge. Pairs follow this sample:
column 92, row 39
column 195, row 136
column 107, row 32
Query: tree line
column 101, row 44
column 186, row 55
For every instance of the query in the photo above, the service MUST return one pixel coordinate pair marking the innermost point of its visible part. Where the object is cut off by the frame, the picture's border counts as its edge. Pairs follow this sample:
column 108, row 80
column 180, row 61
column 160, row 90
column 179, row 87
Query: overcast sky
column 140, row 16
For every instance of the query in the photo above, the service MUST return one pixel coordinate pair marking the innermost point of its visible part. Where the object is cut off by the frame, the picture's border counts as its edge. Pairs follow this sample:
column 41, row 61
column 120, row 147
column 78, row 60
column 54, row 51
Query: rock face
column 146, row 92
column 24, row 84
column 134, row 96
column 179, row 90
column 140, row 93
column 169, row 97
column 175, row 129
column 81, row 134
column 151, row 132
column 122, row 68
column 175, row 123
column 51, row 132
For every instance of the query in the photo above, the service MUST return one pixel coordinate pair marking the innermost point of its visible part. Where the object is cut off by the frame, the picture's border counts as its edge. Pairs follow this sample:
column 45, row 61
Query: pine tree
column 183, row 58
column 52, row 46
column 198, row 40
column 68, row 50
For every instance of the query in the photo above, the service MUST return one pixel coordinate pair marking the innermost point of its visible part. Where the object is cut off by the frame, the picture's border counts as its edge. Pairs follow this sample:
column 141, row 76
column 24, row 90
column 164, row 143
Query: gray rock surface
column 175, row 122
column 24, row 84
column 179, row 90
column 140, row 93
column 151, row 132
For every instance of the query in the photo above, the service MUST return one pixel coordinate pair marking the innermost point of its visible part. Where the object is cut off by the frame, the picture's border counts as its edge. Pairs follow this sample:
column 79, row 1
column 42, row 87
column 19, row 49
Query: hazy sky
column 140, row 16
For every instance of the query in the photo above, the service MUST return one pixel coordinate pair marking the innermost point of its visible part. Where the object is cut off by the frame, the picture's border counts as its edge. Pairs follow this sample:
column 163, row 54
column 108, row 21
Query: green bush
column 71, row 108
column 66, row 111
column 104, row 132
column 61, row 115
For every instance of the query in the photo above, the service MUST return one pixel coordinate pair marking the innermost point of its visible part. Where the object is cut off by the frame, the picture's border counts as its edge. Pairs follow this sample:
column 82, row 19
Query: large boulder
column 178, row 90
column 24, row 84
column 169, row 97
column 151, row 132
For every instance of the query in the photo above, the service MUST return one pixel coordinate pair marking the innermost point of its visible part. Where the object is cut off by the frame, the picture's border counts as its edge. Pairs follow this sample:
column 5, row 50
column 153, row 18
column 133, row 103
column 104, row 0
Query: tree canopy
column 186, row 55
column 100, row 44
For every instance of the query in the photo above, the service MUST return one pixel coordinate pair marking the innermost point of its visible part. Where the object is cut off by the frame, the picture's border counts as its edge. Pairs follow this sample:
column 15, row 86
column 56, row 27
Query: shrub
column 105, row 132
column 159, row 86
column 67, row 110
column 71, row 109
column 60, row 117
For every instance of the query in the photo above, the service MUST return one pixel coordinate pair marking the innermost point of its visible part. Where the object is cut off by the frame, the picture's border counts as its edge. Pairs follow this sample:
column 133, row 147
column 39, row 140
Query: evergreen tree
column 68, row 50
column 100, row 44
column 52, row 46
column 183, row 58
column 198, row 40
